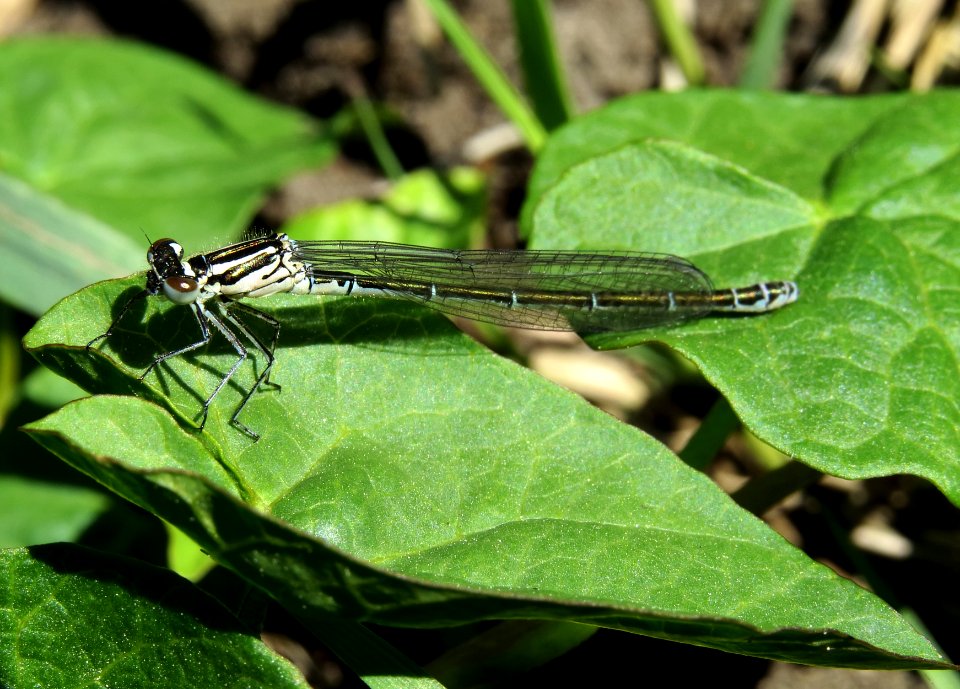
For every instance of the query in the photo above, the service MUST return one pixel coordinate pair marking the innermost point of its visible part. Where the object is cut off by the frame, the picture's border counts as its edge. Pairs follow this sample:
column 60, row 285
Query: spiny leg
column 266, row 318
column 241, row 356
column 142, row 294
column 264, row 375
column 201, row 314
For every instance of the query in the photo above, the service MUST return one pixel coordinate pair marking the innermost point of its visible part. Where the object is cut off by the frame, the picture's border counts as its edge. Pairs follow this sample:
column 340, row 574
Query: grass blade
column 767, row 49
column 679, row 40
column 490, row 76
column 542, row 70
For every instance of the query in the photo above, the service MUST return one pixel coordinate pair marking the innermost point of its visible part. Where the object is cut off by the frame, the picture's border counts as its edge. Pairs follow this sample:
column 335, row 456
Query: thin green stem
column 382, row 150
column 379, row 665
column 703, row 446
column 9, row 363
column 542, row 71
column 766, row 51
column 679, row 40
column 490, row 76
column 507, row 650
column 763, row 492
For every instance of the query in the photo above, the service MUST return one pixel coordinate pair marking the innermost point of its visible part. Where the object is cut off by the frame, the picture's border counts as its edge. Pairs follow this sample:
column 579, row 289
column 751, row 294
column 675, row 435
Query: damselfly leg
column 203, row 314
column 268, row 352
column 142, row 294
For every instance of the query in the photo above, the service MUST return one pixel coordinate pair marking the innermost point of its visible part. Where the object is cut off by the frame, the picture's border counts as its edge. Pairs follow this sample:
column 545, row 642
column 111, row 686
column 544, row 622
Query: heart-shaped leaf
column 857, row 379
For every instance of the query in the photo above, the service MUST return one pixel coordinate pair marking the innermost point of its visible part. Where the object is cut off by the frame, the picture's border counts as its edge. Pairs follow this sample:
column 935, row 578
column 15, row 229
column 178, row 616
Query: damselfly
column 544, row 290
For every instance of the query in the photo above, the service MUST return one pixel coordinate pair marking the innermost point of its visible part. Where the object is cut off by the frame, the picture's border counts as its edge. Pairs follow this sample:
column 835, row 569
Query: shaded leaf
column 51, row 250
column 45, row 388
column 145, row 140
column 34, row 512
column 88, row 619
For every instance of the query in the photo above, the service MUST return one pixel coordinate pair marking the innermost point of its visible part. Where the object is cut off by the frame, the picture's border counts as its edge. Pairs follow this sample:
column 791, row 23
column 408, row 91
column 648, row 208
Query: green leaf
column 423, row 208
column 45, row 388
column 668, row 198
column 145, row 140
column 408, row 476
column 896, row 158
column 40, row 512
column 185, row 557
column 790, row 140
column 51, row 250
column 859, row 378
column 73, row 617
column 543, row 75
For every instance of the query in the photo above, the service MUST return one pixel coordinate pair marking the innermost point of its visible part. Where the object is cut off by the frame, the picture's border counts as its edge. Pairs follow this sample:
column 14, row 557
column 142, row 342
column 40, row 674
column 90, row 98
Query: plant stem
column 542, row 71
column 766, row 50
column 506, row 650
column 10, row 378
column 704, row 444
column 490, row 76
column 679, row 41
column 763, row 492
column 370, row 124
column 379, row 665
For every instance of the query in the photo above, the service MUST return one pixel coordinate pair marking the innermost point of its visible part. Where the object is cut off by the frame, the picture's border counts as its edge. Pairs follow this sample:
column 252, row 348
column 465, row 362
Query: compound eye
column 181, row 290
column 161, row 247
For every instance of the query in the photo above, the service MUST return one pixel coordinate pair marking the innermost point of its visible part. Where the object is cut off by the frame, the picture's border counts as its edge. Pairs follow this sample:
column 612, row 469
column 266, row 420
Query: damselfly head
column 162, row 249
column 165, row 257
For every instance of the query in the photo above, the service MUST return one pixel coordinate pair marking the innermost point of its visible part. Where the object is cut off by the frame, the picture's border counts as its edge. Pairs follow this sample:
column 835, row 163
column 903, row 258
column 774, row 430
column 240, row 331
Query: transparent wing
column 549, row 290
